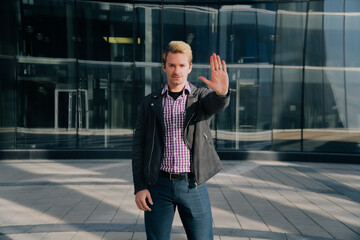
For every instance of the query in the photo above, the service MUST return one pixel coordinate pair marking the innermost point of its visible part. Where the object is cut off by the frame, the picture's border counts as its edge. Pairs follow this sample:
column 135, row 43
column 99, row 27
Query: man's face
column 177, row 69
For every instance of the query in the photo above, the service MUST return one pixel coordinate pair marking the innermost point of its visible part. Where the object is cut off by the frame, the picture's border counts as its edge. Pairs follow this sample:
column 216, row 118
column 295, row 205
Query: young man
column 173, row 150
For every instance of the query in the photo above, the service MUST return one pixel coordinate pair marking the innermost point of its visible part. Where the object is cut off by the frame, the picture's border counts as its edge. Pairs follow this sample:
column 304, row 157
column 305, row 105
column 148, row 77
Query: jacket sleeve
column 211, row 103
column 138, row 149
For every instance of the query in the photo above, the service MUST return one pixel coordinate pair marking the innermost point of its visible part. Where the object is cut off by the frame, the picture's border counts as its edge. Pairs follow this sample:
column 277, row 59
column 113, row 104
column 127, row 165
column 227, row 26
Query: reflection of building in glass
column 73, row 73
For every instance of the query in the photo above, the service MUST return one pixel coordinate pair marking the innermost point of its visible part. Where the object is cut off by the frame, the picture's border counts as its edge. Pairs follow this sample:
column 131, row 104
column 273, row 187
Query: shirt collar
column 166, row 89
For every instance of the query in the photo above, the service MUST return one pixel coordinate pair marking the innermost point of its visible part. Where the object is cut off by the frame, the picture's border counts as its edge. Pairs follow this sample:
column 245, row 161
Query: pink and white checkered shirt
column 176, row 155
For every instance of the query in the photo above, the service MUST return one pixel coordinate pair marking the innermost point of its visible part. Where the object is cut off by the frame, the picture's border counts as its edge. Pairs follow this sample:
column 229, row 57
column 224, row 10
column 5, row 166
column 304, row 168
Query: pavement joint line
column 118, row 228
column 338, row 187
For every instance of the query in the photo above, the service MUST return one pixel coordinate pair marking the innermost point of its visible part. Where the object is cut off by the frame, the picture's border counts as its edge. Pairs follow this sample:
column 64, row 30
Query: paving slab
column 252, row 200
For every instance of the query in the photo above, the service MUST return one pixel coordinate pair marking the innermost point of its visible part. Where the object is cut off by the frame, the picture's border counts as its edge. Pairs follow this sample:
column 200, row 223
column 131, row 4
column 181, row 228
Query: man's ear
column 190, row 68
column 164, row 67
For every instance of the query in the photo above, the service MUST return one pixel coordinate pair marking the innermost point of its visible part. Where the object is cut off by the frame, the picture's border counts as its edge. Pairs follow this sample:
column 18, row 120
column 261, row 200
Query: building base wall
column 224, row 155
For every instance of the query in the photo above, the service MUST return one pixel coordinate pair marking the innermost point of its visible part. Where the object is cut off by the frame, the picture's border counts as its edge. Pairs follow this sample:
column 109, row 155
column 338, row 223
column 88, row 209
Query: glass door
column 71, row 110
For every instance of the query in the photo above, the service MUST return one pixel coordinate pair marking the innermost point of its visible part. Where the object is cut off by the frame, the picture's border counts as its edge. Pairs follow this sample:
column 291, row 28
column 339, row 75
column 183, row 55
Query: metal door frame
column 78, row 109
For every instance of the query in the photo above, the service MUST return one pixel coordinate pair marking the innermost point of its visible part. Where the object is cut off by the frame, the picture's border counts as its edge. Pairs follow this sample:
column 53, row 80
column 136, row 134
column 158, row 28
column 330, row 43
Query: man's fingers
column 142, row 205
column 212, row 62
column 218, row 62
column 224, row 66
column 141, row 198
column 145, row 206
column 149, row 199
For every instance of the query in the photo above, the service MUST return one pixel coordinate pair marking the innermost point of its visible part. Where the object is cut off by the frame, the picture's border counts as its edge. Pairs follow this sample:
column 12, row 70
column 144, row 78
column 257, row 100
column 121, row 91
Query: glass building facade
column 73, row 72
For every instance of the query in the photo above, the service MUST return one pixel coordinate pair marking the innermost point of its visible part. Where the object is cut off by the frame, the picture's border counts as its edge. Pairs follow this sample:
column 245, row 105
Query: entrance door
column 71, row 110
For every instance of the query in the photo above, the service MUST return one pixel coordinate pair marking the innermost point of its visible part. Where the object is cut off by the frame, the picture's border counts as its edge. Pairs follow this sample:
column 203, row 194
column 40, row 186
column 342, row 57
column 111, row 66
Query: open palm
column 219, row 82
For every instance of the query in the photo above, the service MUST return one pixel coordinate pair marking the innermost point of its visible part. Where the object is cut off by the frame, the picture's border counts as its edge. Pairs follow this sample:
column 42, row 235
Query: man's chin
column 177, row 81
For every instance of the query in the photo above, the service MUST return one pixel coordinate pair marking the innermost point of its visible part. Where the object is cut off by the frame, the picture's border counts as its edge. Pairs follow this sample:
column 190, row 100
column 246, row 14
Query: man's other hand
column 142, row 198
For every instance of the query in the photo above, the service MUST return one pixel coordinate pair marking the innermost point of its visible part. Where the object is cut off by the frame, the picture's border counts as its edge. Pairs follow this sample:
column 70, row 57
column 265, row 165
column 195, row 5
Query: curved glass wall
column 73, row 72
column 7, row 79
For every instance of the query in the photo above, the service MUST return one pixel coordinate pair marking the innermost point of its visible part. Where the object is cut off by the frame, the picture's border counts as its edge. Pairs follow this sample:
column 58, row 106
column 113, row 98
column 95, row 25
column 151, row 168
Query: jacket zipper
column 186, row 127
column 152, row 149
column 196, row 184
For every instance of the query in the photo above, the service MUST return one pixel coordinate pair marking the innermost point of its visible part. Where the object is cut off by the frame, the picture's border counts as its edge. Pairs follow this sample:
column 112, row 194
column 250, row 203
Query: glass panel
column 107, row 91
column 352, row 33
column 325, row 113
column 247, row 37
column 185, row 1
column 148, row 32
column 7, row 79
column 253, row 1
column 105, row 31
column 196, row 25
column 353, row 101
column 288, row 76
column 239, row 33
column 331, row 103
column 324, row 103
column 287, row 109
column 352, row 63
column 106, row 75
column 45, row 65
column 148, row 68
column 150, row 1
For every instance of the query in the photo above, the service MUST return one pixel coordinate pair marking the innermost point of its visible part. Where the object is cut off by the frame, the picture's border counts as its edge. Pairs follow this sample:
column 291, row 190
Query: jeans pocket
column 192, row 184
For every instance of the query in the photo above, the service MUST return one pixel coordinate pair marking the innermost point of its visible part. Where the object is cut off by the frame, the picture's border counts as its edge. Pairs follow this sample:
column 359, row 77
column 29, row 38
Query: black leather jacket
column 149, row 136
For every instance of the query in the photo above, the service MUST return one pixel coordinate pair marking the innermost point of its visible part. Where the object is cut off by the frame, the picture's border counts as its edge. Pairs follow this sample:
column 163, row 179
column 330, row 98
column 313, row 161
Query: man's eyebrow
column 170, row 63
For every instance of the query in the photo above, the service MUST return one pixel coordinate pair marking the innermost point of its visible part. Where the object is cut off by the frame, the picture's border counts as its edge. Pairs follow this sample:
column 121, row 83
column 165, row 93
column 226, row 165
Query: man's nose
column 177, row 69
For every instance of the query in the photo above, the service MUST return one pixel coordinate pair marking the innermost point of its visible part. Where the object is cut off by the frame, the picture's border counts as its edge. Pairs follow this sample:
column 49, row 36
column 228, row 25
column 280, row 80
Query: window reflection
column 196, row 25
column 246, row 37
column 108, row 90
column 106, row 73
column 352, row 73
column 288, row 76
column 147, row 23
column 7, row 81
column 81, row 69
column 352, row 33
column 45, row 63
column 247, row 32
column 326, row 107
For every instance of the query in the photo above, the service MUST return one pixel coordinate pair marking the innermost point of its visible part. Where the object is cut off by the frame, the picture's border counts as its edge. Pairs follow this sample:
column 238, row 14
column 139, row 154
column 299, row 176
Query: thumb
column 205, row 80
column 150, row 199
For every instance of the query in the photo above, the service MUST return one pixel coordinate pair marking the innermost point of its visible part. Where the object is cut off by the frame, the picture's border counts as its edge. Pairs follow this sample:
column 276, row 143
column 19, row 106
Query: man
column 173, row 151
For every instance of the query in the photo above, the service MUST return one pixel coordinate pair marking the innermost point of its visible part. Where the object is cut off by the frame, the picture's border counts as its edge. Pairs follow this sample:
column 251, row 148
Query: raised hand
column 219, row 77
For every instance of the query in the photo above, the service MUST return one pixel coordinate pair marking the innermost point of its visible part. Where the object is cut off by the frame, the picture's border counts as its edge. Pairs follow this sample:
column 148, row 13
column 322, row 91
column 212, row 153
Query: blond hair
column 178, row 47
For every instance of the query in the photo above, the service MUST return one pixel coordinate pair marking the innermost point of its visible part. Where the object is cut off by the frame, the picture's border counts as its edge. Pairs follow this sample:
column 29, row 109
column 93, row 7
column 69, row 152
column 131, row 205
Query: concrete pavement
column 93, row 199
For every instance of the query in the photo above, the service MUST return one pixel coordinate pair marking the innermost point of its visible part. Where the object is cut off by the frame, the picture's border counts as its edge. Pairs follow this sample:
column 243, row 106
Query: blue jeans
column 193, row 204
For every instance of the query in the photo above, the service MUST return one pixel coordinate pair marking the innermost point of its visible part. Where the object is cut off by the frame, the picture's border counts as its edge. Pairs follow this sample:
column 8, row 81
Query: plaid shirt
column 176, row 155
